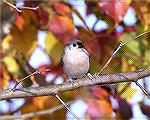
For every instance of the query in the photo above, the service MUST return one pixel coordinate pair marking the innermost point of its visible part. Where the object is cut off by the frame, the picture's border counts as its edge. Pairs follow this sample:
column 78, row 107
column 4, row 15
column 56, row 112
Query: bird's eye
column 74, row 45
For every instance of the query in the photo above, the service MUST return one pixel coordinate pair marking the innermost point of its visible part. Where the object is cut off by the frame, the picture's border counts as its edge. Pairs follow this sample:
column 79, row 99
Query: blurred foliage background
column 56, row 21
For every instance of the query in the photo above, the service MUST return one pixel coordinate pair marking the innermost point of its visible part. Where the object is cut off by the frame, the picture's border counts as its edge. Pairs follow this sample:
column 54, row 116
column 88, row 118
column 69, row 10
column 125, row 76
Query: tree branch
column 83, row 82
column 32, row 114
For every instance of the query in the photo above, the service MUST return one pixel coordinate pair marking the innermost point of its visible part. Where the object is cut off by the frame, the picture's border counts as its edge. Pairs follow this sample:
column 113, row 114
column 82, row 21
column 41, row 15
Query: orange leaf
column 20, row 21
column 24, row 41
column 4, row 77
column 98, row 109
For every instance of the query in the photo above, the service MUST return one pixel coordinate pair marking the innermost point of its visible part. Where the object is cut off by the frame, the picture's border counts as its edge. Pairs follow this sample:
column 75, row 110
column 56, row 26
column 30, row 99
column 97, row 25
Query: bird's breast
column 74, row 57
column 76, row 64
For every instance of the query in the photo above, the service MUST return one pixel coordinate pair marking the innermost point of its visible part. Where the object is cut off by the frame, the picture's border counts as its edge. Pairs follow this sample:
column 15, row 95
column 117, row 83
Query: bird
column 75, row 59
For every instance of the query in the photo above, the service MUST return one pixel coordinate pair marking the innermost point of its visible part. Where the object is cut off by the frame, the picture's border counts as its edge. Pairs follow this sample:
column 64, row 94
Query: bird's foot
column 90, row 76
column 71, row 81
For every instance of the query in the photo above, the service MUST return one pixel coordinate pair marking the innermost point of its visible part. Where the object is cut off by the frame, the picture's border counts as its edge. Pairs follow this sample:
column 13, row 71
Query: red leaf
column 90, row 41
column 114, row 8
column 124, row 110
column 101, row 92
column 145, row 109
column 60, row 25
column 62, row 9
column 46, row 69
column 43, row 17
column 43, row 69
column 130, row 28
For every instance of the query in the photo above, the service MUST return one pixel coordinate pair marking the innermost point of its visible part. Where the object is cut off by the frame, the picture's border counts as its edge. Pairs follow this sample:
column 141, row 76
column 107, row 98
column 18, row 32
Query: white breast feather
column 76, row 63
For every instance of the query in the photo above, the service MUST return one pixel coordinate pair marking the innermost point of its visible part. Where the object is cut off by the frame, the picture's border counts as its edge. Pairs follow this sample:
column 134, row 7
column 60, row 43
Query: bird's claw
column 71, row 81
column 90, row 76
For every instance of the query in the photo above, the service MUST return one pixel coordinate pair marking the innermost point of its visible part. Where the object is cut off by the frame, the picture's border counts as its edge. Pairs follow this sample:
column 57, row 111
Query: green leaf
column 147, row 58
column 133, row 48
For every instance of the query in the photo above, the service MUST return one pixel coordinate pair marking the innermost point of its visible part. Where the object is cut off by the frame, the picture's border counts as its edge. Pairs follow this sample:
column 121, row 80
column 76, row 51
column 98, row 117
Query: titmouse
column 75, row 59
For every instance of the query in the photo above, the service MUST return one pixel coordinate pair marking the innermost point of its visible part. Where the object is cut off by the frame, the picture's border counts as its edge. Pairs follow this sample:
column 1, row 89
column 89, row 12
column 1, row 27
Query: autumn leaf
column 128, row 93
column 43, row 17
column 147, row 58
column 5, row 77
column 125, row 109
column 143, row 13
column 26, row 18
column 132, row 48
column 90, row 41
column 114, row 8
column 24, row 40
column 11, row 64
column 101, row 92
column 62, row 27
column 111, row 11
column 98, row 109
column 54, row 47
column 61, row 24
column 62, row 9
column 145, row 109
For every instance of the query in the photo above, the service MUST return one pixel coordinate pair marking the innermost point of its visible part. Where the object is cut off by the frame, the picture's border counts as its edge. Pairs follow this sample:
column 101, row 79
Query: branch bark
column 83, row 82
column 32, row 114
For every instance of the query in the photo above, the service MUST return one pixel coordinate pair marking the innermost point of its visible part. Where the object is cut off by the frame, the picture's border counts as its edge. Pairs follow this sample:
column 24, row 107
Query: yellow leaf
column 128, row 93
column 24, row 41
column 11, row 64
column 54, row 47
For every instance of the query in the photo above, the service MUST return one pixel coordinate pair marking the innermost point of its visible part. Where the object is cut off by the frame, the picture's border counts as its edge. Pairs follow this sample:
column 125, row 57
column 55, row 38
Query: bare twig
column 32, row 74
column 32, row 114
column 95, row 24
column 138, row 84
column 142, row 88
column 12, row 6
column 21, row 80
column 81, row 18
column 29, row 8
column 118, row 48
column 65, row 105
column 82, row 82
column 19, row 9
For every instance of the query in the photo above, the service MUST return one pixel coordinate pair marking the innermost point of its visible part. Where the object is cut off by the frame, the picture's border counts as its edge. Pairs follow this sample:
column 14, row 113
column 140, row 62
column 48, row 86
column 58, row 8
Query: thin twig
column 81, row 18
column 65, row 105
column 142, row 88
column 12, row 6
column 32, row 114
column 95, row 24
column 138, row 84
column 21, row 80
column 118, row 48
column 29, row 8
column 19, row 9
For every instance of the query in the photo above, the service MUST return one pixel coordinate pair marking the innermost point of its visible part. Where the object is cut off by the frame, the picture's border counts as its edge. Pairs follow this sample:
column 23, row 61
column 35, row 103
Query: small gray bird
column 75, row 60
